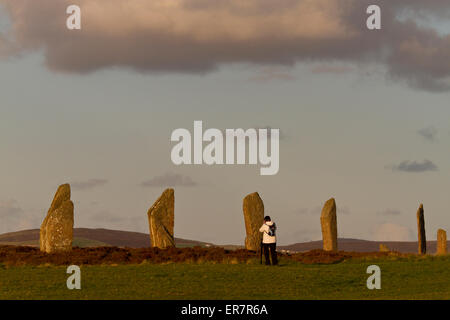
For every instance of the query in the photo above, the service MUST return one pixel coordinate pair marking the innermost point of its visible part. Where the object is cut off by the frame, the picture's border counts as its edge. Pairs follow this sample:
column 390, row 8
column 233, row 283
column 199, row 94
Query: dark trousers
column 269, row 250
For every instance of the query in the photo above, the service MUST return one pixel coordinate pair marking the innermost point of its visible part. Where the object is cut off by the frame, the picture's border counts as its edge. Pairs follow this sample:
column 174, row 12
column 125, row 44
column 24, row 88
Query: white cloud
column 198, row 36
column 392, row 232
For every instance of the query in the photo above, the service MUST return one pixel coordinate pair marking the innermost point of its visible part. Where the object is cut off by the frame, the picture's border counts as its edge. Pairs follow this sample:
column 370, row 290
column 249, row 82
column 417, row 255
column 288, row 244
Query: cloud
column 14, row 218
column 414, row 166
column 318, row 210
column 170, row 180
column 88, row 184
column 269, row 74
column 334, row 69
column 301, row 211
column 10, row 208
column 198, row 36
column 428, row 133
column 390, row 212
column 343, row 210
column 392, row 232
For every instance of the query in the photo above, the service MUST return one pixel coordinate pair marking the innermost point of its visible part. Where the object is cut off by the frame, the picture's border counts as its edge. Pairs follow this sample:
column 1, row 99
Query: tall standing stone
column 253, row 208
column 56, row 232
column 328, row 220
column 441, row 242
column 421, row 230
column 161, row 219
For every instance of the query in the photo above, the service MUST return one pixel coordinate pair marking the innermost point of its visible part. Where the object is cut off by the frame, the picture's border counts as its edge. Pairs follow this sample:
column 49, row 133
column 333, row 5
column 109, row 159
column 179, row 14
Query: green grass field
column 401, row 278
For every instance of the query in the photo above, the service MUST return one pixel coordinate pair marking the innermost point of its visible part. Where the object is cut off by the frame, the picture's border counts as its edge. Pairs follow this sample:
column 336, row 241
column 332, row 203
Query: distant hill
column 363, row 246
column 84, row 237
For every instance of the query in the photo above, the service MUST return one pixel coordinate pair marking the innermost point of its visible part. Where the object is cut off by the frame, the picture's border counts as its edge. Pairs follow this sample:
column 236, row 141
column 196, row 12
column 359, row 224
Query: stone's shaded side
column 253, row 208
column 441, row 242
column 421, row 230
column 161, row 219
column 56, row 233
column 328, row 220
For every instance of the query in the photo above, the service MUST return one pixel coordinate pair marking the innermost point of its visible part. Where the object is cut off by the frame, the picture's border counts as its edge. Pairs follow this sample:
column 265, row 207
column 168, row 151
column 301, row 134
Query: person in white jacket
column 269, row 243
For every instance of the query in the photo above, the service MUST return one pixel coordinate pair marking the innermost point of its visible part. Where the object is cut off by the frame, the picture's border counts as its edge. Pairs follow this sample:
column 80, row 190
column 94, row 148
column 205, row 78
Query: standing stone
column 161, row 219
column 441, row 242
column 56, row 232
column 328, row 221
column 421, row 230
column 253, row 207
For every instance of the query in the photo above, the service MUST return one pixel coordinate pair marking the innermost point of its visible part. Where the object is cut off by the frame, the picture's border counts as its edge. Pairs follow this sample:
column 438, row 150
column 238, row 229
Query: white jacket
column 265, row 228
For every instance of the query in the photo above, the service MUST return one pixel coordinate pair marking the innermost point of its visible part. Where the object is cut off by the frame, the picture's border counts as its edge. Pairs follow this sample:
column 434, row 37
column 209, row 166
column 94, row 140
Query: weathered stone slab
column 161, row 219
column 421, row 230
column 328, row 221
column 56, row 232
column 253, row 208
column 441, row 242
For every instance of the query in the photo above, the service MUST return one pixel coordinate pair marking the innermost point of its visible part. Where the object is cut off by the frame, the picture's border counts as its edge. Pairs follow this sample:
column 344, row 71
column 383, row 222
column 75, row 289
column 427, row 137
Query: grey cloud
column 301, row 211
column 270, row 74
column 170, row 180
column 389, row 212
column 318, row 210
column 329, row 68
column 14, row 218
column 428, row 133
column 88, row 184
column 415, row 166
column 198, row 36
column 10, row 208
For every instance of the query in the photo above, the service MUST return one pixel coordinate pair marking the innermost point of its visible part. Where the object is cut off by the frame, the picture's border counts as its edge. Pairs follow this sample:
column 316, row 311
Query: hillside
column 84, row 237
column 357, row 245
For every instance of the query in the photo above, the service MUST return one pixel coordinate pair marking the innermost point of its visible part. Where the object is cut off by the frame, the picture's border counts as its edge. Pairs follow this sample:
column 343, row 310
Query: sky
column 363, row 115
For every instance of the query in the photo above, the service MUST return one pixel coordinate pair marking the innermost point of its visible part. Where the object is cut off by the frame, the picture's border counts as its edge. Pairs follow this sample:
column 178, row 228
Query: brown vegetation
column 25, row 255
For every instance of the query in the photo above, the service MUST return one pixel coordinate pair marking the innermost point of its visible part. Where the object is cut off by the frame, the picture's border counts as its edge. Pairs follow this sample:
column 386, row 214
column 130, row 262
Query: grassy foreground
column 401, row 278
